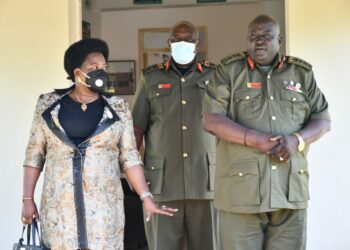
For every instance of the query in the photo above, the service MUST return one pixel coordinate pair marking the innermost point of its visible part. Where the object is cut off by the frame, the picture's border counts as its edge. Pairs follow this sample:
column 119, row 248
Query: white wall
column 92, row 16
column 319, row 32
column 34, row 36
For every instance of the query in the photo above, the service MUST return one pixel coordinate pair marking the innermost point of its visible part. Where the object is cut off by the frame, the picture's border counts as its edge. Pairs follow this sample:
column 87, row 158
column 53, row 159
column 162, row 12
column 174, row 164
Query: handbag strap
column 35, row 230
column 32, row 231
column 28, row 234
column 20, row 242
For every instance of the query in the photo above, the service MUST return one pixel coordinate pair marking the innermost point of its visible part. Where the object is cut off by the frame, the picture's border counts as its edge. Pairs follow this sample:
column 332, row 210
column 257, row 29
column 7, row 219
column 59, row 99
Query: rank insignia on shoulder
column 164, row 86
column 234, row 57
column 208, row 64
column 160, row 65
column 153, row 68
column 254, row 85
column 300, row 62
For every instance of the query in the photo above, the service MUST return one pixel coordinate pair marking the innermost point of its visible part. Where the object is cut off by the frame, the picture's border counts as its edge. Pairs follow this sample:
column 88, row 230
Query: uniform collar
column 278, row 61
column 194, row 66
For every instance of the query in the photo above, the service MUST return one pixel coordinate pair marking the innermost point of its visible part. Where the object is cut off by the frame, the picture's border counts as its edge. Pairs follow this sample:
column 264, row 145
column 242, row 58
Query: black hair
column 76, row 54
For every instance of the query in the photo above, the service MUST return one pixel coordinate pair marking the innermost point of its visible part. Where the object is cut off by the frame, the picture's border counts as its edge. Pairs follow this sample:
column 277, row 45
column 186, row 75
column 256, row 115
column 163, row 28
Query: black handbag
column 32, row 232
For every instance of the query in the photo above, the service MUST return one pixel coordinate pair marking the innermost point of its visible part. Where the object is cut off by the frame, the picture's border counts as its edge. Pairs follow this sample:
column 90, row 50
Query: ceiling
column 114, row 5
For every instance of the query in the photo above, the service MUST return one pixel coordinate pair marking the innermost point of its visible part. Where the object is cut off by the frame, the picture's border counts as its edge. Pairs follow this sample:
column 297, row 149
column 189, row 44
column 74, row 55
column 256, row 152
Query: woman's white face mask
column 183, row 52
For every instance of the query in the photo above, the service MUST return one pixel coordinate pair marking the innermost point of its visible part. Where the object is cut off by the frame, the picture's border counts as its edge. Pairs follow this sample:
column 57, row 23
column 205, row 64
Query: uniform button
column 185, row 155
column 152, row 168
column 268, row 76
column 183, row 102
column 240, row 174
column 271, row 97
column 157, row 94
column 182, row 79
column 294, row 99
column 273, row 167
column 184, row 127
column 148, row 183
column 301, row 171
column 273, row 118
column 247, row 97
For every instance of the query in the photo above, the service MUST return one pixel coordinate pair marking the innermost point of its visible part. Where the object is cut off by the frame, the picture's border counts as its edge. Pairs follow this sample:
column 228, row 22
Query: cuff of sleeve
column 321, row 116
column 211, row 105
column 130, row 164
column 35, row 162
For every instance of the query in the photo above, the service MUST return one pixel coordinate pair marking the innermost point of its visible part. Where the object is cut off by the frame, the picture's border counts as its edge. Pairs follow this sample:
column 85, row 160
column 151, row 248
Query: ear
column 197, row 43
column 77, row 75
column 280, row 39
column 77, row 72
column 169, row 43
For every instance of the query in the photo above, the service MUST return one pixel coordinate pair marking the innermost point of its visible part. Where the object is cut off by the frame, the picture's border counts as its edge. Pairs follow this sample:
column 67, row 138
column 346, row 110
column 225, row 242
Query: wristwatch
column 301, row 145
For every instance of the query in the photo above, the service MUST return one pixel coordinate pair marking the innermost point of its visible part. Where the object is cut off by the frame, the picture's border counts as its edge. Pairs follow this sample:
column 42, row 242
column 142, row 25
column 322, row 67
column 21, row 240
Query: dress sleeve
column 36, row 148
column 129, row 155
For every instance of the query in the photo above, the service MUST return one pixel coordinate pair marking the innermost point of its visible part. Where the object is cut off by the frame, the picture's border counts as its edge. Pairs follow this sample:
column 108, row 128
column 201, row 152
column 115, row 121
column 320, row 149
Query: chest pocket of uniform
column 159, row 99
column 202, row 87
column 248, row 103
column 296, row 107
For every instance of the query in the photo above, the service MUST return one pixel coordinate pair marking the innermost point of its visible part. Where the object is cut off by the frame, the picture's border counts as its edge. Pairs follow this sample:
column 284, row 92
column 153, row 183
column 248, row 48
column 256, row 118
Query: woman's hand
column 29, row 211
column 151, row 208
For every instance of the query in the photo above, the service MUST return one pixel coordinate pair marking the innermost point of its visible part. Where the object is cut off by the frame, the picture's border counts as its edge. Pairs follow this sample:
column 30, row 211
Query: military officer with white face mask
column 179, row 154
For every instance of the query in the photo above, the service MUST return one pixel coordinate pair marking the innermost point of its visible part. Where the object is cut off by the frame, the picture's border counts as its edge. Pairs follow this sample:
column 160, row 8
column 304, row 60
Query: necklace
column 84, row 104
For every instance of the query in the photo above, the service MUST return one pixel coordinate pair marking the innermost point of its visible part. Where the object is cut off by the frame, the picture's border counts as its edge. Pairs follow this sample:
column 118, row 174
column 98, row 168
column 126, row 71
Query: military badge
column 164, row 86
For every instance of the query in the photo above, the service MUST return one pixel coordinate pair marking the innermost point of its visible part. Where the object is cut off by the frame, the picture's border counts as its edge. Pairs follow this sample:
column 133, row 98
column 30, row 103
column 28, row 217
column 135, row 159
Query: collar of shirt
column 278, row 62
column 192, row 67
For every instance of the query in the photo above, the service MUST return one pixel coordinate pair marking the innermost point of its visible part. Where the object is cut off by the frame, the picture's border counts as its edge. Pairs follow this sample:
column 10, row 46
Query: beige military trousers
column 283, row 229
column 193, row 227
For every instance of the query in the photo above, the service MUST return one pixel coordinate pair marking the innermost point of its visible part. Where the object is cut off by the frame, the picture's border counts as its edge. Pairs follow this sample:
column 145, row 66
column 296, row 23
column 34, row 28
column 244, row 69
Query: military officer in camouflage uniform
column 265, row 109
column 179, row 155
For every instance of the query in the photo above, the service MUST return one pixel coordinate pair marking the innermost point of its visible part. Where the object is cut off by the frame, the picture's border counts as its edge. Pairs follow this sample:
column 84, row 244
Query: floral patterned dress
column 82, row 197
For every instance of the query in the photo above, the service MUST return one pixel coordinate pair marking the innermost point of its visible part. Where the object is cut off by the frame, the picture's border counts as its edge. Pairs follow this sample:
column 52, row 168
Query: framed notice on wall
column 147, row 1
column 122, row 77
column 210, row 1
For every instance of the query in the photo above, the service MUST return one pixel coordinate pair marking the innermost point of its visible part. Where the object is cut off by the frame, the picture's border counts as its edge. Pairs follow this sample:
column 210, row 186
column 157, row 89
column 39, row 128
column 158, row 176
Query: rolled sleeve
column 317, row 101
column 217, row 96
column 36, row 148
column 129, row 155
column 140, row 111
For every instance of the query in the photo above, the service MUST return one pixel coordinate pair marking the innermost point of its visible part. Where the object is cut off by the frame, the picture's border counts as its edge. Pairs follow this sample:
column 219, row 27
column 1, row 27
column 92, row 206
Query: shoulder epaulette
column 300, row 62
column 153, row 67
column 234, row 57
column 208, row 64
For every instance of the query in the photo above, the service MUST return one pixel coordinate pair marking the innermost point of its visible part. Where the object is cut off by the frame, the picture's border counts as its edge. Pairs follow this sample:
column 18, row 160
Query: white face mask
column 183, row 52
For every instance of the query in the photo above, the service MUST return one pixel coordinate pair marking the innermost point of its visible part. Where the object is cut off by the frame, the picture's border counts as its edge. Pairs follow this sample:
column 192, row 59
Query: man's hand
column 261, row 141
column 287, row 146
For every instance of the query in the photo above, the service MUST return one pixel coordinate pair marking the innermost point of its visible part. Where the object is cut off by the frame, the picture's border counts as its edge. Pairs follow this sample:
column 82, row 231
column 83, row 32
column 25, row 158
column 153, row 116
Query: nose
column 260, row 40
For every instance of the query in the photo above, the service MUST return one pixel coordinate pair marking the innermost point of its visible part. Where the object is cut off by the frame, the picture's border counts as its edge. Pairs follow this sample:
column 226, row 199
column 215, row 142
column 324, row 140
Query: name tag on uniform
column 254, row 85
column 164, row 86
